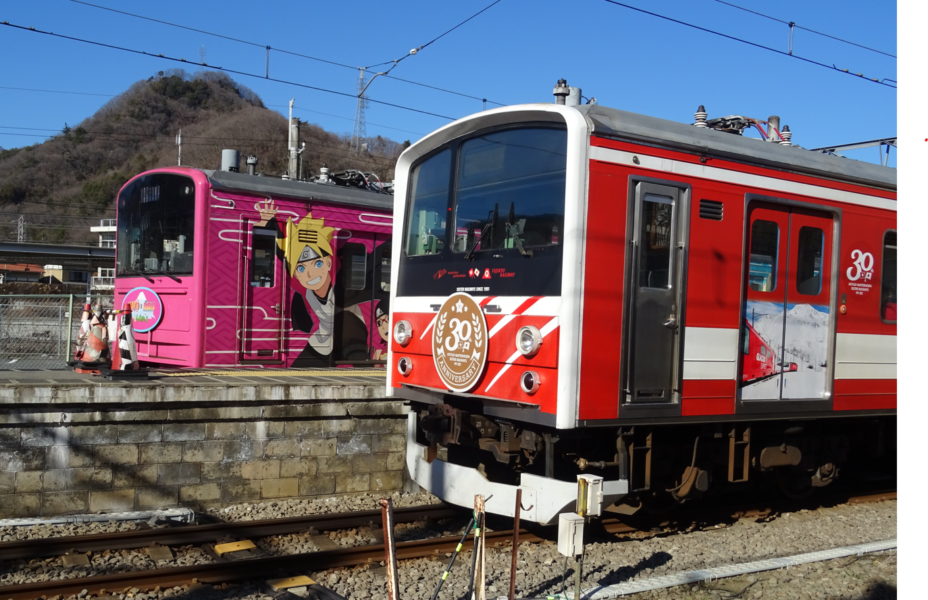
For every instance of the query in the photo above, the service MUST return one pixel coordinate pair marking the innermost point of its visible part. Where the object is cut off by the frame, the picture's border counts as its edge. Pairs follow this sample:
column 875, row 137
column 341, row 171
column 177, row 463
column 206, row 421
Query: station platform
column 180, row 385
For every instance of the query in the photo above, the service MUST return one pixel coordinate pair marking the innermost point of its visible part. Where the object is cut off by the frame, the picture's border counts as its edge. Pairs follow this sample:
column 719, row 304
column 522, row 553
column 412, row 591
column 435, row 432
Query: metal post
column 70, row 318
column 515, row 546
column 480, row 575
column 389, row 546
column 58, row 343
column 582, row 502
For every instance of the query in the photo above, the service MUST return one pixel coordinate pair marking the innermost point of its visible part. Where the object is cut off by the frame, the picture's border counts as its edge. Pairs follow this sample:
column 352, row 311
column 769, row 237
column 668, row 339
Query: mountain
column 806, row 334
column 78, row 172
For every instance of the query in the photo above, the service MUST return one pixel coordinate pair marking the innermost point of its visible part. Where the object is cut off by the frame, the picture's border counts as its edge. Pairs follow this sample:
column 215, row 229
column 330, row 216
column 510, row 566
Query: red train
column 579, row 289
column 759, row 358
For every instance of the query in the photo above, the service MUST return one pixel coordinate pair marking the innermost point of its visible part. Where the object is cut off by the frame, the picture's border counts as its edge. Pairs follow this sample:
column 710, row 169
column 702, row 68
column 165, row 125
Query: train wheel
column 795, row 484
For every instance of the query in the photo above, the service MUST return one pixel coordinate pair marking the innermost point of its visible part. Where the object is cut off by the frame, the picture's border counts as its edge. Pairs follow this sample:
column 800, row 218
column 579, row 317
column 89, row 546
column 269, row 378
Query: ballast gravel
column 608, row 559
column 318, row 506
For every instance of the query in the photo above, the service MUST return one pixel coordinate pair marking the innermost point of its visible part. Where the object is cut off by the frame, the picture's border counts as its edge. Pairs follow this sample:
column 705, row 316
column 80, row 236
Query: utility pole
column 293, row 169
column 179, row 145
column 360, row 127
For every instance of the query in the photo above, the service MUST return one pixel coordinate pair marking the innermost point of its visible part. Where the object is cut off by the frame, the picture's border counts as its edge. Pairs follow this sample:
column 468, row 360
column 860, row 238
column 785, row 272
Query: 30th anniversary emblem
column 459, row 342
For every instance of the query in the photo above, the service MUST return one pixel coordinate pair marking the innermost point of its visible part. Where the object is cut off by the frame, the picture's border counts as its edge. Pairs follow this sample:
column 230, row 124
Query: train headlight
column 528, row 340
column 404, row 366
column 402, row 332
column 530, row 382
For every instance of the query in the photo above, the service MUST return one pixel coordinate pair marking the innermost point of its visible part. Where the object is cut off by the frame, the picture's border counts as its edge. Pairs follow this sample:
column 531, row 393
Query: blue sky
column 512, row 53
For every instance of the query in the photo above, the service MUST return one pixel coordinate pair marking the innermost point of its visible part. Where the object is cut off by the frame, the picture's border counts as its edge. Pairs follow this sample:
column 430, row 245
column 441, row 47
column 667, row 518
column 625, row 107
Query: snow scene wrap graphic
column 459, row 342
column 785, row 354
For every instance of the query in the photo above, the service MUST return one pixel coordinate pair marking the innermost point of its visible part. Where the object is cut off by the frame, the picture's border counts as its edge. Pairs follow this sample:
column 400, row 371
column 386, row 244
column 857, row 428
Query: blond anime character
column 306, row 248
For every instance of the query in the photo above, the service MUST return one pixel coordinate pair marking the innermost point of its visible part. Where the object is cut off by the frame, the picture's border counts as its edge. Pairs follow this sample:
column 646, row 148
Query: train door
column 352, row 293
column 786, row 324
column 656, row 283
column 262, row 315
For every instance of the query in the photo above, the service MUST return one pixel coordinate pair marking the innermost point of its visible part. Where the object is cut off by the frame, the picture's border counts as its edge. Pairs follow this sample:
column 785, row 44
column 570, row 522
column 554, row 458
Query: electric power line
column 223, row 69
column 792, row 24
column 55, row 91
column 292, row 53
column 269, row 105
column 424, row 46
column 756, row 45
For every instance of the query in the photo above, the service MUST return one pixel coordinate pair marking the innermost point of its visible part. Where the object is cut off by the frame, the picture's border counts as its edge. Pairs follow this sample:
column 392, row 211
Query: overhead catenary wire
column 293, row 53
column 755, row 44
column 218, row 68
column 22, row 89
column 797, row 26
column 427, row 44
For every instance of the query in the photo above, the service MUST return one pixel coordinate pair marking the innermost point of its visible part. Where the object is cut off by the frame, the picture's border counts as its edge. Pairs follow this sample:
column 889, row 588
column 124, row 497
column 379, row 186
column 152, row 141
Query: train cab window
column 809, row 261
column 654, row 241
column 428, row 206
column 746, row 341
column 765, row 240
column 510, row 190
column 263, row 248
column 888, row 287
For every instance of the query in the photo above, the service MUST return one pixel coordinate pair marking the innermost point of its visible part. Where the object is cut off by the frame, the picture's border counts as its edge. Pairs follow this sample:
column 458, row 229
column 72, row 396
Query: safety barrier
column 38, row 331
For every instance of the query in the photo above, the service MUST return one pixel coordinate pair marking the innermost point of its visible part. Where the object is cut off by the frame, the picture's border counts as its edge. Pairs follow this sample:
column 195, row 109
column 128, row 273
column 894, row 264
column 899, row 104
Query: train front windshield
column 155, row 230
column 486, row 215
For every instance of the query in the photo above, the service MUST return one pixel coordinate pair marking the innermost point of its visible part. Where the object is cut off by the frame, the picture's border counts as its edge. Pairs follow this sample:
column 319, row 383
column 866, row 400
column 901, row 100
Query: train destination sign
column 459, row 342
column 146, row 308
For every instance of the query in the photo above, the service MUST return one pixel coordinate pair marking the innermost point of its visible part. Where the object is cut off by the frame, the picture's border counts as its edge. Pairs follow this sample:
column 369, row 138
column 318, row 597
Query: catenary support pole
column 389, row 546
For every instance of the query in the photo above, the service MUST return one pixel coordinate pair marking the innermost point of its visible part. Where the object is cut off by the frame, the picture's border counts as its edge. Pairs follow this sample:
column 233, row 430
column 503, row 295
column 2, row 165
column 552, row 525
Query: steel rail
column 277, row 566
column 198, row 534
column 242, row 570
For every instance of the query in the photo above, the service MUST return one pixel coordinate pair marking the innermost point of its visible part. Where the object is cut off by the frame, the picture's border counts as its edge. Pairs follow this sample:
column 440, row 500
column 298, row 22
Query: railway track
column 234, row 571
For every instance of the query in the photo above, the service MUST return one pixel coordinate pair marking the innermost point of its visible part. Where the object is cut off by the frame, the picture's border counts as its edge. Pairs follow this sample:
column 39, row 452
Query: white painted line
column 666, row 581
column 737, row 177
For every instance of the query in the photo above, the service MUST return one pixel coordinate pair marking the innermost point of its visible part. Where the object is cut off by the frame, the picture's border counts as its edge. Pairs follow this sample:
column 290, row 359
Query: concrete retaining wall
column 88, row 457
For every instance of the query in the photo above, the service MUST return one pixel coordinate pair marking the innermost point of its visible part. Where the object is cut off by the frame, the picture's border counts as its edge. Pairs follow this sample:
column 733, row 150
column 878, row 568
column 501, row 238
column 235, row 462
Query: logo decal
column 459, row 342
column 147, row 309
column 860, row 273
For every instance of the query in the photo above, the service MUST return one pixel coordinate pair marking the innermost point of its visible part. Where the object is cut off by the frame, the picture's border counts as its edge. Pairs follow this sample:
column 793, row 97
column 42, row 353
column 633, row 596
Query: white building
column 105, row 279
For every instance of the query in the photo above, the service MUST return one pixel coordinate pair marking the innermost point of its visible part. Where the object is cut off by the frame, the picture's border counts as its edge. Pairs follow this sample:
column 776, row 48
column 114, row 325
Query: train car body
column 225, row 269
column 582, row 289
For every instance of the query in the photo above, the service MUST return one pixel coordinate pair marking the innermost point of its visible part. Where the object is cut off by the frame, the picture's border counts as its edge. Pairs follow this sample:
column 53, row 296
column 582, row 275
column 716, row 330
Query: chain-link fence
column 39, row 332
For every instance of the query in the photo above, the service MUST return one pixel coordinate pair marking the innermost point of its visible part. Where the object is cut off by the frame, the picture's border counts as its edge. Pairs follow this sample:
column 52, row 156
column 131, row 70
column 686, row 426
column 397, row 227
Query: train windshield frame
column 156, row 226
column 485, row 214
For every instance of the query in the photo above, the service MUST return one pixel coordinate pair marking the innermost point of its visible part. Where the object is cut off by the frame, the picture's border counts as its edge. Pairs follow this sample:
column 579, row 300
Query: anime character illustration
column 306, row 248
column 365, row 334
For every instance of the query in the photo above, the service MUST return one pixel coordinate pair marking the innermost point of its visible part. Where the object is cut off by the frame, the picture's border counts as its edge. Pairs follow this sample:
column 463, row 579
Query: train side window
column 888, row 287
column 382, row 258
column 428, row 205
column 765, row 241
column 355, row 258
column 809, row 261
column 263, row 248
column 654, row 241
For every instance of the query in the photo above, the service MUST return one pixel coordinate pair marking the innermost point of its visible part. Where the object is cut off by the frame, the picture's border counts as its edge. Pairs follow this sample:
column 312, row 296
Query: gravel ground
column 318, row 506
column 609, row 559
column 614, row 561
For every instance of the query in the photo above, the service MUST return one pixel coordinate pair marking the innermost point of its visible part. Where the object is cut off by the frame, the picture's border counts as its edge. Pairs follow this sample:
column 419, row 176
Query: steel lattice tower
column 360, row 127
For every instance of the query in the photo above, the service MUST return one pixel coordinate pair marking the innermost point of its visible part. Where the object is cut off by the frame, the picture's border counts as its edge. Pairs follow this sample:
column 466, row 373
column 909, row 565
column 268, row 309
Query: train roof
column 611, row 122
column 302, row 190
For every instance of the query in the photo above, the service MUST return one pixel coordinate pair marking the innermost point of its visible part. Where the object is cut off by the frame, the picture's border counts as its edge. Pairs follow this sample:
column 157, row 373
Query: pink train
column 227, row 269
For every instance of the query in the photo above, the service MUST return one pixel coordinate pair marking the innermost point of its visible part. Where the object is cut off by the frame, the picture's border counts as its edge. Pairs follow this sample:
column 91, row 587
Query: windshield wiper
column 491, row 220
column 166, row 274
column 473, row 247
column 512, row 230
column 137, row 272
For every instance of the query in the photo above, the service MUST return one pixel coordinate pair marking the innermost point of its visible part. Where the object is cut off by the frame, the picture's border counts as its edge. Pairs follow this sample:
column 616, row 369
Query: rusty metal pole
column 389, row 547
column 480, row 578
column 515, row 546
